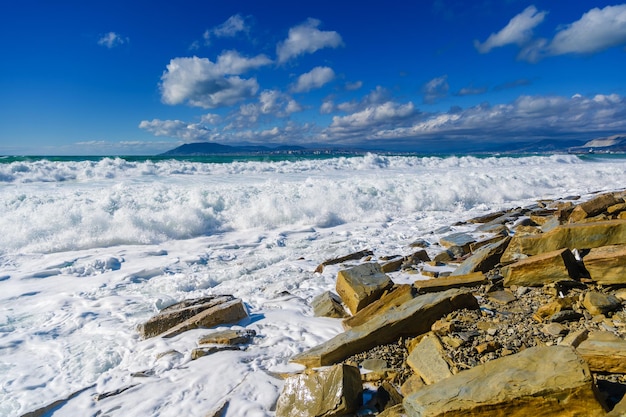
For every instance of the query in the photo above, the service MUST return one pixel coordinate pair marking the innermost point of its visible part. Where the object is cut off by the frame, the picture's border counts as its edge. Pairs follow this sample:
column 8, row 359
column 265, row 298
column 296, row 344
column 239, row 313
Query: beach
column 91, row 248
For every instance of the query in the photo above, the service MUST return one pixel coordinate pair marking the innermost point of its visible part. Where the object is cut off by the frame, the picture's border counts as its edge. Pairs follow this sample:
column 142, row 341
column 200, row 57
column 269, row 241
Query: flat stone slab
column 228, row 337
column 328, row 392
column 538, row 381
column 228, row 312
column 538, row 270
column 572, row 236
column 607, row 264
column 178, row 313
column 350, row 257
column 412, row 318
column 452, row 281
column 604, row 352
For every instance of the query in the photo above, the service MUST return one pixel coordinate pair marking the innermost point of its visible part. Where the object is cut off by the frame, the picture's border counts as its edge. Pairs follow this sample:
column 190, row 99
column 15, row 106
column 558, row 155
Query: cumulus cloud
column 595, row 31
column 306, row 38
column 313, row 79
column 200, row 82
column 354, row 86
column 436, row 89
column 112, row 39
column 471, row 91
column 518, row 31
column 271, row 104
column 187, row 132
column 230, row 28
column 361, row 123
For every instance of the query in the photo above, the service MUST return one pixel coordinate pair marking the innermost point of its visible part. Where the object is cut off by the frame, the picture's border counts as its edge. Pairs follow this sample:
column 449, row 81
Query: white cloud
column 518, row 31
column 230, row 28
column 595, row 31
column 199, row 82
column 327, row 107
column 470, row 90
column 111, row 40
column 187, row 132
column 271, row 104
column 313, row 79
column 436, row 89
column 306, row 38
column 376, row 116
column 354, row 86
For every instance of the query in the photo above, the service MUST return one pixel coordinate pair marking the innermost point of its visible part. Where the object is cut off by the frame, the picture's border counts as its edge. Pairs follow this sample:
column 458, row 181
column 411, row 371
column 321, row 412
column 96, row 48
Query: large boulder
column 411, row 318
column 538, row 270
column 221, row 309
column 538, row 381
column 328, row 304
column 360, row 285
column 607, row 264
column 329, row 392
column 595, row 206
column 453, row 281
column 427, row 360
column 572, row 236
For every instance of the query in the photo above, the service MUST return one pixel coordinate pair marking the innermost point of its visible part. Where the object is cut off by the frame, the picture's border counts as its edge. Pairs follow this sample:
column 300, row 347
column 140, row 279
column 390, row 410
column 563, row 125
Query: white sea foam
column 89, row 249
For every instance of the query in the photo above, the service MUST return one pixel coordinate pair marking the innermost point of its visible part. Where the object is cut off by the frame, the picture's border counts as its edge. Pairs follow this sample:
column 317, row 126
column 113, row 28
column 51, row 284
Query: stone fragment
column 538, row 270
column 388, row 396
column 392, row 265
column 501, row 297
column 456, row 281
column 554, row 329
column 553, row 307
column 328, row 304
column 415, row 258
column 538, row 381
column 572, row 236
column 487, row 217
column 374, row 364
column 360, row 285
column 228, row 337
column 565, row 316
column 197, row 353
column 462, row 240
column 604, row 352
column 351, row 257
column 616, row 208
column 574, row 339
column 392, row 299
column 551, row 224
column 427, row 360
column 180, row 312
column 484, row 259
column 442, row 327
column 599, row 303
column 487, row 347
column 412, row 318
column 594, row 206
column 228, row 312
column 333, row 391
column 607, row 264
column 412, row 384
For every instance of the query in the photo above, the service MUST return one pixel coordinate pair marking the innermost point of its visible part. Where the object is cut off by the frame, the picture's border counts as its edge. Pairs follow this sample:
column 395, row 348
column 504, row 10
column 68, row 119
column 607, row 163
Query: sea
column 90, row 247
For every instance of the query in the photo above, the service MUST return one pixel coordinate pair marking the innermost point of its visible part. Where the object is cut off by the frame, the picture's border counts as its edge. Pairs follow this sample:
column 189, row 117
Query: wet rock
column 604, row 352
column 351, row 257
column 462, row 240
column 214, row 310
column 360, row 285
column 538, row 270
column 333, row 391
column 328, row 304
column 411, row 318
column 553, row 380
column 197, row 353
column 228, row 337
column 607, row 265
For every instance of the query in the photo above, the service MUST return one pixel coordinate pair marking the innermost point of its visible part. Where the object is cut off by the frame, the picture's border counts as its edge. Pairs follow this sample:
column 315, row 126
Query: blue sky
column 142, row 77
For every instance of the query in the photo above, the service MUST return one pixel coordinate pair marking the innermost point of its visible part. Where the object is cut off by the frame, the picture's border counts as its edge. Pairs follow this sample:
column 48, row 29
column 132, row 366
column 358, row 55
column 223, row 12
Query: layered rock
column 413, row 317
column 607, row 265
column 539, row 381
column 604, row 352
column 538, row 270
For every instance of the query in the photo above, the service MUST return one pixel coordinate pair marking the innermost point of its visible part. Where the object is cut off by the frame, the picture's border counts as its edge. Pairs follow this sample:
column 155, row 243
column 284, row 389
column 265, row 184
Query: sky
column 142, row 77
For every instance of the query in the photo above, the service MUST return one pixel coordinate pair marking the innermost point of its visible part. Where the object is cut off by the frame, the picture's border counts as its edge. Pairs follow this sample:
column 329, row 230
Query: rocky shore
column 524, row 314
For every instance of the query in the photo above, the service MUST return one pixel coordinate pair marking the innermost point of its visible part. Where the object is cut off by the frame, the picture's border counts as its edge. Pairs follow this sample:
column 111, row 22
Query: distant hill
column 615, row 143
column 211, row 148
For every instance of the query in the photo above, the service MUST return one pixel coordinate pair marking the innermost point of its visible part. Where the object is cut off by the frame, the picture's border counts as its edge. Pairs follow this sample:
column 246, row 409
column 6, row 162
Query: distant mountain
column 615, row 143
column 211, row 148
